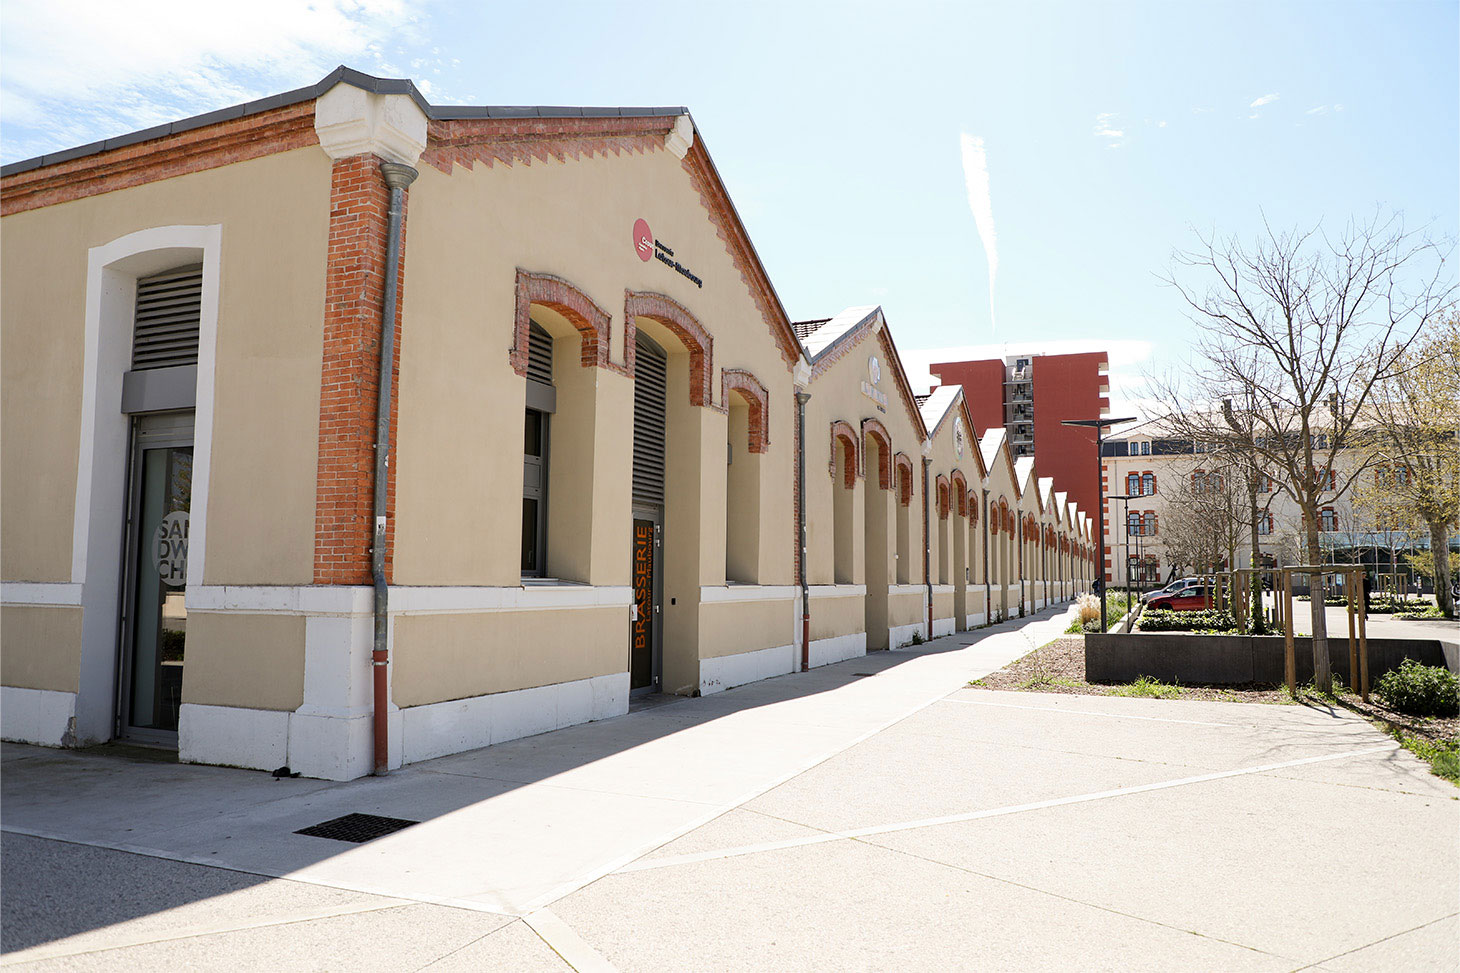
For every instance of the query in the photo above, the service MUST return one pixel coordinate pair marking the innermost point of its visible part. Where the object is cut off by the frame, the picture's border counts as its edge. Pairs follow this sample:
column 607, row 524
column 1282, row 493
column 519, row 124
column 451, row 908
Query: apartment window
column 1148, row 523
column 1264, row 483
column 1146, row 448
column 1264, row 523
column 1133, row 483
column 1133, row 449
column 1148, row 484
column 1133, row 523
column 1328, row 519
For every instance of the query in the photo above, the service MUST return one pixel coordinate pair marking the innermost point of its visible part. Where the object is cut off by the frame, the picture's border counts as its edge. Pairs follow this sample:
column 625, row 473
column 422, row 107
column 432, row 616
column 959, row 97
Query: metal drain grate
column 357, row 828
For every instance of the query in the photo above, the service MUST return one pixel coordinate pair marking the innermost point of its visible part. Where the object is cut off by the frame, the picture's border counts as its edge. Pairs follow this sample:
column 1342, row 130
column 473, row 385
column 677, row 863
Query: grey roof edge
column 839, row 339
column 347, row 75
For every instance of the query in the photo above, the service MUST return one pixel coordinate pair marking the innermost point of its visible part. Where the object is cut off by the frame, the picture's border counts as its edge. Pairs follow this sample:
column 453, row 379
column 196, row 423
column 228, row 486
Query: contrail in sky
column 976, row 177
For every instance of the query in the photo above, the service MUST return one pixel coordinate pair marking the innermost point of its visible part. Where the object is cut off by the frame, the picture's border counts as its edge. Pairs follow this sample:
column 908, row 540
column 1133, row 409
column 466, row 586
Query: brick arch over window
column 904, row 478
column 875, row 429
column 942, row 483
column 556, row 293
column 1000, row 520
column 972, row 508
column 673, row 315
column 743, row 383
column 842, row 433
column 960, row 490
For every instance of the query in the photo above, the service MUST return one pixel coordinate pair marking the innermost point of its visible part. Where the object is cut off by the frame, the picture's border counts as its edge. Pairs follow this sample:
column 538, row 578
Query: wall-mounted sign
column 958, row 440
column 647, row 247
column 870, row 389
column 643, row 240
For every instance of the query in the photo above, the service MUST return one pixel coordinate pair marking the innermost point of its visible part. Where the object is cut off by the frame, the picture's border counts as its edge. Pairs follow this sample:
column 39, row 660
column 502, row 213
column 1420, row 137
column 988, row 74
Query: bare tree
column 1293, row 333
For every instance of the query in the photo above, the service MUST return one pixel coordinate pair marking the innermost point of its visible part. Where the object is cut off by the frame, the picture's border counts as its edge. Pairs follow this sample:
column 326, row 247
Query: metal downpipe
column 927, row 553
column 988, row 607
column 801, row 399
column 397, row 176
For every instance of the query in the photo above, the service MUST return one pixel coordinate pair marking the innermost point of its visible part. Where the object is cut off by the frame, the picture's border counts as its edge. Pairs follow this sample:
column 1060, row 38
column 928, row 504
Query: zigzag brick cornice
column 205, row 147
column 844, row 347
column 468, row 141
column 737, row 244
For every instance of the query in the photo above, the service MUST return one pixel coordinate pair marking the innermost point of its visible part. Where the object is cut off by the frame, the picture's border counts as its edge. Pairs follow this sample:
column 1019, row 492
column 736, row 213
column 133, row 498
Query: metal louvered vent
column 169, row 307
column 651, row 367
column 539, row 354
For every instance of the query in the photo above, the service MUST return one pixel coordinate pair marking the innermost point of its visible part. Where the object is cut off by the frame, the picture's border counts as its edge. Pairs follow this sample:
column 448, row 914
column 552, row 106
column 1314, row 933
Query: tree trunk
column 1322, row 675
column 1256, row 622
column 1440, row 550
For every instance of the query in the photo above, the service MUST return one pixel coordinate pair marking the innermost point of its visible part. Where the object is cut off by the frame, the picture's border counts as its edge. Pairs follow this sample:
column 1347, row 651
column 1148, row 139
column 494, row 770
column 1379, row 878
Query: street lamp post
column 1099, row 425
column 1125, row 499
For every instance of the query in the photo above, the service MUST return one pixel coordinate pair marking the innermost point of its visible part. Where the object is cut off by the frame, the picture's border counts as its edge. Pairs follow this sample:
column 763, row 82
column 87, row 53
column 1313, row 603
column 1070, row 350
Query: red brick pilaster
column 349, row 384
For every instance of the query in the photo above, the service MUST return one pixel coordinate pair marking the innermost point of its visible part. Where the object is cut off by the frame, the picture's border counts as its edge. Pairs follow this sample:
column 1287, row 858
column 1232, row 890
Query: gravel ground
column 1059, row 667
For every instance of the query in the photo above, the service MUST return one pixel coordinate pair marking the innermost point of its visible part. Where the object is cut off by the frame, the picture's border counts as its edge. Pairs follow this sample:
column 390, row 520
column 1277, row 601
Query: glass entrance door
column 155, row 626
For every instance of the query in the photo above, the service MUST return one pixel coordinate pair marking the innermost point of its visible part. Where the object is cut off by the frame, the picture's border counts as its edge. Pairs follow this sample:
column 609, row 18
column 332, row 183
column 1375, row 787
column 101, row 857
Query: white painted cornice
column 351, row 121
column 679, row 138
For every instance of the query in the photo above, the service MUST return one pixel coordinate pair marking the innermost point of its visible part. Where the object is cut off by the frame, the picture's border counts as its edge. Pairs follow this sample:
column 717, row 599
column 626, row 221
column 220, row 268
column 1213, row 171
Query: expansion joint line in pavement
column 570, row 946
column 647, row 864
column 1382, row 939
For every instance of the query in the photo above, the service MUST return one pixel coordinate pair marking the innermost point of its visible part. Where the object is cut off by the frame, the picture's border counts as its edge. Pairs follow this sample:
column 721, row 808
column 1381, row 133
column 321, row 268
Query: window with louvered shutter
column 651, row 370
column 539, row 354
column 169, row 309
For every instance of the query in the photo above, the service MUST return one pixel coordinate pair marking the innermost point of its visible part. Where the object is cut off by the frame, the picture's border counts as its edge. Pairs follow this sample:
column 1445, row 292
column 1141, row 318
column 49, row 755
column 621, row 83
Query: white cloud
column 1264, row 100
column 1104, row 129
column 91, row 69
column 980, row 203
column 1161, row 124
column 1127, row 356
column 1320, row 110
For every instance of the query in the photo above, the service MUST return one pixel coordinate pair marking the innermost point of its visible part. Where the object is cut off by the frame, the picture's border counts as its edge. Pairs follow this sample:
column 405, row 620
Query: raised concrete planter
column 1236, row 659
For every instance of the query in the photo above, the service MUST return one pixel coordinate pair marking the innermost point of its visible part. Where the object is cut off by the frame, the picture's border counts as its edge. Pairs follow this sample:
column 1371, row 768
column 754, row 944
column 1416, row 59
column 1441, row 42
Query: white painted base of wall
column 903, row 634
column 438, row 729
column 341, row 748
column 42, row 716
column 729, row 671
column 944, row 626
column 973, row 621
column 233, row 736
column 837, row 649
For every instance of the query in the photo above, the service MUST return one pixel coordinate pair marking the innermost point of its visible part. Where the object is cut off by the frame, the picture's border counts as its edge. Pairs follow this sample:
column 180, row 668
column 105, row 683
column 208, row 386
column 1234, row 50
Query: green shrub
column 1385, row 605
column 1431, row 612
column 1420, row 690
column 1209, row 620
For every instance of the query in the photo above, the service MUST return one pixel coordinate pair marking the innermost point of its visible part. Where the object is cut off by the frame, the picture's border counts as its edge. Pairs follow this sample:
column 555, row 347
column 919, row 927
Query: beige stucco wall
column 906, row 607
column 835, row 615
column 274, row 212
column 42, row 647
column 459, row 398
column 836, row 395
column 733, row 627
column 454, row 656
column 256, row 661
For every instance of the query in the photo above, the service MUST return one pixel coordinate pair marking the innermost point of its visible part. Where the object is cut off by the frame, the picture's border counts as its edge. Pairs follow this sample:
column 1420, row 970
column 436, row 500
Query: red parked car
column 1192, row 599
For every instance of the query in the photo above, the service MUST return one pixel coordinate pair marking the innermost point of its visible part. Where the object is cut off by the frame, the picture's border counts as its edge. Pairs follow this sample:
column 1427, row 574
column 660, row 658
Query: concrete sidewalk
column 512, row 827
column 875, row 815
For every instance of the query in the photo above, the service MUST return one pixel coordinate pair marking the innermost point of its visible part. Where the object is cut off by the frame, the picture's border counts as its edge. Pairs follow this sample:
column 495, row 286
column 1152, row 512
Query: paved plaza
column 873, row 815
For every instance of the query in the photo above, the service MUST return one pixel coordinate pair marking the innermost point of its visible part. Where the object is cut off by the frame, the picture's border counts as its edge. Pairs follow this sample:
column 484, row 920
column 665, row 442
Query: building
column 1165, row 476
column 1030, row 396
column 590, row 475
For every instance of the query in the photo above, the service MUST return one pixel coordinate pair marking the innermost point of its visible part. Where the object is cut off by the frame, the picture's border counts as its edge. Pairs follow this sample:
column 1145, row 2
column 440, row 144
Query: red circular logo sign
column 643, row 240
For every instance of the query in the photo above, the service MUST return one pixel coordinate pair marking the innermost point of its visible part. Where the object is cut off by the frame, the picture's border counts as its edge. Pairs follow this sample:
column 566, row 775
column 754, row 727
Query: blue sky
column 1109, row 130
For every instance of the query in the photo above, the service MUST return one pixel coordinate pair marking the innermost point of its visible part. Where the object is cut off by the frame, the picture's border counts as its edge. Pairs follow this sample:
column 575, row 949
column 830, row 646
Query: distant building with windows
column 1030, row 396
column 1149, row 473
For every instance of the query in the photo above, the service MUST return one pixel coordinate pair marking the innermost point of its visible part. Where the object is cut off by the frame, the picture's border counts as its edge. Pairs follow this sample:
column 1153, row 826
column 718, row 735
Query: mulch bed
column 1059, row 667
